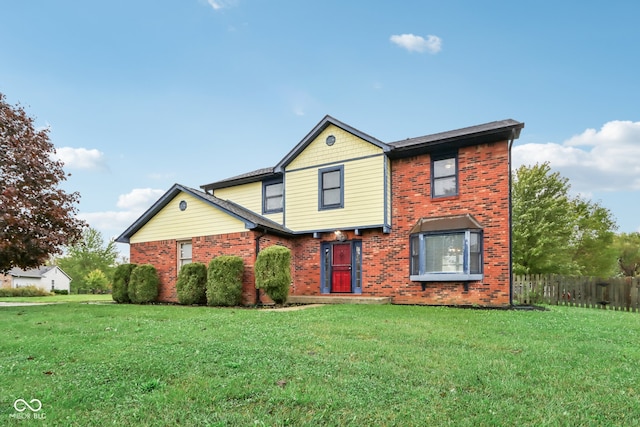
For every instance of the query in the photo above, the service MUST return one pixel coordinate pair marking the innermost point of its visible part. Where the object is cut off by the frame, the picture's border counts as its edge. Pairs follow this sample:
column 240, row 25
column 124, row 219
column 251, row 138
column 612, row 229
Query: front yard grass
column 155, row 365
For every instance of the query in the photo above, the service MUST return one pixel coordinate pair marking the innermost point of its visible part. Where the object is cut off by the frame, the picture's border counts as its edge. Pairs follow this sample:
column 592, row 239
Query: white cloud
column 80, row 158
column 413, row 43
column 221, row 4
column 604, row 160
column 617, row 131
column 139, row 199
column 112, row 223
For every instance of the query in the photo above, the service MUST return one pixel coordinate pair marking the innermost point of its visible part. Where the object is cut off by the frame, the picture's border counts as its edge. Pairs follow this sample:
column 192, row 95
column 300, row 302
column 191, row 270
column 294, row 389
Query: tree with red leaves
column 37, row 219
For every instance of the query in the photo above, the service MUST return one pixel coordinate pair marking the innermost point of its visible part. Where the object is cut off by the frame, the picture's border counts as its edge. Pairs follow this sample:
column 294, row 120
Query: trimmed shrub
column 143, row 284
column 120, row 285
column 25, row 291
column 191, row 286
column 224, row 281
column 61, row 292
column 273, row 272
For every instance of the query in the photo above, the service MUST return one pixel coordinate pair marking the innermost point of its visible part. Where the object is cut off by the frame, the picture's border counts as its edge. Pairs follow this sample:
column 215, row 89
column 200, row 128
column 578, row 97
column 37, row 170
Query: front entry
column 342, row 267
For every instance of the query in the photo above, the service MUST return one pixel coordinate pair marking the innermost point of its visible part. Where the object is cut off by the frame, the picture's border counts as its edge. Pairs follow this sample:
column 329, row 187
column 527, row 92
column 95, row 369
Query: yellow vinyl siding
column 347, row 146
column 363, row 197
column 248, row 196
column 275, row 217
column 199, row 219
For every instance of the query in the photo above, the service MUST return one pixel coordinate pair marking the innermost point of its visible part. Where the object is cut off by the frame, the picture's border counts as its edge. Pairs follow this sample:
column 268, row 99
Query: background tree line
column 554, row 232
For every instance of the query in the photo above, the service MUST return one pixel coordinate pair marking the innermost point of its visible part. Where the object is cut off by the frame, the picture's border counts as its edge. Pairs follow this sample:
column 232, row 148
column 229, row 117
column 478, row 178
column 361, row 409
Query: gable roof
column 35, row 272
column 322, row 125
column 501, row 130
column 251, row 219
column 245, row 178
column 488, row 132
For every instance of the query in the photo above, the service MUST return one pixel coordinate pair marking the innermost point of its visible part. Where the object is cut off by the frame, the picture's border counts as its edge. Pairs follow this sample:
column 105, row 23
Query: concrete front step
column 339, row 299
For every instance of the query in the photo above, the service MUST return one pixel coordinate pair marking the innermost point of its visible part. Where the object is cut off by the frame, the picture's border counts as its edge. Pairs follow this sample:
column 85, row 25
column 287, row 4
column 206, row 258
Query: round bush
column 191, row 286
column 273, row 272
column 120, row 285
column 143, row 284
column 224, row 281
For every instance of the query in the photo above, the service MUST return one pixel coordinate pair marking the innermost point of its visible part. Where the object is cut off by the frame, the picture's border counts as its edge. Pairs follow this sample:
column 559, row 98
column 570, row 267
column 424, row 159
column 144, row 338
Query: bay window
column 441, row 254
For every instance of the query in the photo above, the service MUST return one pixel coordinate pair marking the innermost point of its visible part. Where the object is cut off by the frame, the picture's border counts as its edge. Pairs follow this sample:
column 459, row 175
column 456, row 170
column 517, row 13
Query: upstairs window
column 331, row 188
column 272, row 196
column 444, row 176
column 440, row 251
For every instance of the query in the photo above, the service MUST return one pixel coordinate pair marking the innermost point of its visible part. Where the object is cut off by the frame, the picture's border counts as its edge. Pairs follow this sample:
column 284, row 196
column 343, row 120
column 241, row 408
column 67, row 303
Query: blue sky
column 139, row 95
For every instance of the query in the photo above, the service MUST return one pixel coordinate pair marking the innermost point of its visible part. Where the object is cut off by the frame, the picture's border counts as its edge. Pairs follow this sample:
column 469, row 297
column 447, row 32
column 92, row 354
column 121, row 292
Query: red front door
column 341, row 267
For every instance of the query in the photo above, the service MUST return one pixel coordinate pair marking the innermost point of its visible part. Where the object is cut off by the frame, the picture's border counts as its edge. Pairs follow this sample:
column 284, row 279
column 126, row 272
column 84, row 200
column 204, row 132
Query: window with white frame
column 184, row 253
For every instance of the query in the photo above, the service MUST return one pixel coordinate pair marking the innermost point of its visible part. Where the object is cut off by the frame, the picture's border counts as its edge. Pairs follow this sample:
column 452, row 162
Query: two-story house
column 422, row 220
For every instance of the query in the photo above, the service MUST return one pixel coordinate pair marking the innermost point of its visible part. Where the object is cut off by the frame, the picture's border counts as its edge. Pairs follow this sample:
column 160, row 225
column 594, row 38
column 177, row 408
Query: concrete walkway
column 24, row 304
column 294, row 307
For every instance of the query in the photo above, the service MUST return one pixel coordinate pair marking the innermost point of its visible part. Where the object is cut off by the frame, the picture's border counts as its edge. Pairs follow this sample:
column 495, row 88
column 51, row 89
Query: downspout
column 513, row 133
column 257, row 250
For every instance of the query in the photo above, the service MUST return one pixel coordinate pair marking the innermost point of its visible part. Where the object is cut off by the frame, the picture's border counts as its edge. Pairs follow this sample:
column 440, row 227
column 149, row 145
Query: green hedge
column 143, row 285
column 120, row 285
column 191, row 286
column 273, row 272
column 224, row 281
column 26, row 291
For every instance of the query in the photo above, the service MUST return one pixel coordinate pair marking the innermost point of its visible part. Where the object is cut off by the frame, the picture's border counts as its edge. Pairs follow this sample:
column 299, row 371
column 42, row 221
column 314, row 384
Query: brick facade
column 483, row 192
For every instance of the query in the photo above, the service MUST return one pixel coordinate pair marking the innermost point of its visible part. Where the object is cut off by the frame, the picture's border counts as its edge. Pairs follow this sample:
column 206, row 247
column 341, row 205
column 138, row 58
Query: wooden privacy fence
column 620, row 293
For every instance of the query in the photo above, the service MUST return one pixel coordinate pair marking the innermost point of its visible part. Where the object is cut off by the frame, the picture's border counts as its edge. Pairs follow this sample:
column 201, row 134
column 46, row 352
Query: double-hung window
column 440, row 251
column 331, row 188
column 184, row 253
column 272, row 196
column 444, row 176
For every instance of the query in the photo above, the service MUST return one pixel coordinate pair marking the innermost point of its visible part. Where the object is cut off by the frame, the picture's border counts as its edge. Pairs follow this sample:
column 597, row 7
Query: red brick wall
column 206, row 248
column 164, row 256
column 483, row 192
column 306, row 266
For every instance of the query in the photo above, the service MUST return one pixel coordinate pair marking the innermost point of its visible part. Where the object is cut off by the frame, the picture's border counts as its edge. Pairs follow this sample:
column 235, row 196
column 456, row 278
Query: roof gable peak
column 313, row 134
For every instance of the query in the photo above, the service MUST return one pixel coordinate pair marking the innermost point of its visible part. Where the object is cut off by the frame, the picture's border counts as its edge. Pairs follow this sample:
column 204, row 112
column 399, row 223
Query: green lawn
column 333, row 365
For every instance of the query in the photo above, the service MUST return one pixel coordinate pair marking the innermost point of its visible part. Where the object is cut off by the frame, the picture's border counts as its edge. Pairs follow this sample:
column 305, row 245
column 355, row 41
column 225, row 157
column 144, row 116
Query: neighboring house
column 420, row 221
column 48, row 278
